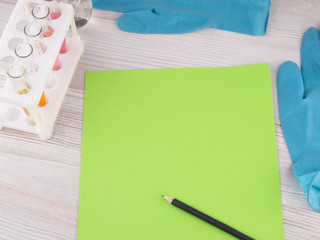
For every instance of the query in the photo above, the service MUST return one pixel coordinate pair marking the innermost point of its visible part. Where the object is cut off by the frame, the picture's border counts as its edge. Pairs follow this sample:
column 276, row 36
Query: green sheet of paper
column 205, row 136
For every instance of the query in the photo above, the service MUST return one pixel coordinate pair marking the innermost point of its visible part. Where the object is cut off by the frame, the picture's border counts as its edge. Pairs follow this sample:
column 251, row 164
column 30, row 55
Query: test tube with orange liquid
column 42, row 102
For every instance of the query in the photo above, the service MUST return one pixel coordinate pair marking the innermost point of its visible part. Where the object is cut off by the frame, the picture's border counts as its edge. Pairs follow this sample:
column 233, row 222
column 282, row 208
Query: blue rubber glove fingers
column 299, row 97
column 301, row 134
column 182, row 16
column 290, row 95
column 242, row 16
column 124, row 5
column 310, row 59
column 290, row 88
column 310, row 67
column 159, row 20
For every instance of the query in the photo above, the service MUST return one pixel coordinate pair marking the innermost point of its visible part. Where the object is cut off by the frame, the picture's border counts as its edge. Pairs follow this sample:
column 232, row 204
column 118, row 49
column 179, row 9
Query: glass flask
column 82, row 11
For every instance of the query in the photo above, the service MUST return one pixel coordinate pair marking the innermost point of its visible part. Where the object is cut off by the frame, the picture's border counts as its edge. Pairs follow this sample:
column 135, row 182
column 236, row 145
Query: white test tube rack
column 53, row 83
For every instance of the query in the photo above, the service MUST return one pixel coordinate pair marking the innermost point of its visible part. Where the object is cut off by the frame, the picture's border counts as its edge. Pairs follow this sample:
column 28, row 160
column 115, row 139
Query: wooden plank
column 38, row 198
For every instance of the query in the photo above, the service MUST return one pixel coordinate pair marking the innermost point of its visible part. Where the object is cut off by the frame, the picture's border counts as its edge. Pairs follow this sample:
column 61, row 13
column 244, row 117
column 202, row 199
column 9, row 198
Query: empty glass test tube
column 24, row 52
column 41, row 14
column 16, row 72
column 34, row 37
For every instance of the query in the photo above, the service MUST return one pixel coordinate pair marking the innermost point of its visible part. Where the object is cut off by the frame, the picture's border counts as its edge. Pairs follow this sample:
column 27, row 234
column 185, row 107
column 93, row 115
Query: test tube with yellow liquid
column 17, row 74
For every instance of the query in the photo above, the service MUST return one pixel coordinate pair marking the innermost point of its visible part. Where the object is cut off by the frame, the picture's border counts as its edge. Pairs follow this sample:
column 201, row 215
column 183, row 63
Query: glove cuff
column 307, row 172
column 314, row 193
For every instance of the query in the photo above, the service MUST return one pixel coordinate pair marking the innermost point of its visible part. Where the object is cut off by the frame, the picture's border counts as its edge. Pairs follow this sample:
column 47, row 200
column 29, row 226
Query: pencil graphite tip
column 168, row 199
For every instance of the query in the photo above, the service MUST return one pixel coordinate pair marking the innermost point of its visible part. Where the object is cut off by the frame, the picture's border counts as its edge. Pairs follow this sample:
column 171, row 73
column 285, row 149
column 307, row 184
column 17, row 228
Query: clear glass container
column 82, row 11
column 55, row 9
column 34, row 37
column 24, row 52
column 17, row 74
column 41, row 14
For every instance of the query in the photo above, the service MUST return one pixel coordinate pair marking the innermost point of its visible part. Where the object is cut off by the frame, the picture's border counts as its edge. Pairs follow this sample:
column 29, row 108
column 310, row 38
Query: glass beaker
column 34, row 37
column 41, row 13
column 55, row 9
column 82, row 11
column 24, row 52
column 16, row 72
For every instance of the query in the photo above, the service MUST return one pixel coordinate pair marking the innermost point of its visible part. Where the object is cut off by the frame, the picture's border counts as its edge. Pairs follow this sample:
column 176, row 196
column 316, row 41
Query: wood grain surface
column 39, row 180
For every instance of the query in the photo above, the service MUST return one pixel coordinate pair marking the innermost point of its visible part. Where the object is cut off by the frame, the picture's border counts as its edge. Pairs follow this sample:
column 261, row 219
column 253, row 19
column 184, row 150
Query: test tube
column 16, row 72
column 55, row 9
column 24, row 52
column 55, row 13
column 34, row 37
column 57, row 65
column 28, row 8
column 63, row 48
column 26, row 111
column 41, row 13
column 42, row 101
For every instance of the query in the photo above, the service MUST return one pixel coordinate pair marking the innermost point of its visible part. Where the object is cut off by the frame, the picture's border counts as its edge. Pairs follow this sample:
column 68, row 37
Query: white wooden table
column 39, row 180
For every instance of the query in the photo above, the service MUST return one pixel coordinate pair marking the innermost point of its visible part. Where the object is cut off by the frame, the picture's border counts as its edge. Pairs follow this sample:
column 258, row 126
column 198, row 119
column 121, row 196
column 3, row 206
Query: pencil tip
column 168, row 199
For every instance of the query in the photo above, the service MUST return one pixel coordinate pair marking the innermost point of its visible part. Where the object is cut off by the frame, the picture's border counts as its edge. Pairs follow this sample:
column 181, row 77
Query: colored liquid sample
column 16, row 72
column 63, row 48
column 26, row 111
column 30, row 120
column 42, row 101
column 55, row 15
column 57, row 65
column 23, row 91
column 48, row 31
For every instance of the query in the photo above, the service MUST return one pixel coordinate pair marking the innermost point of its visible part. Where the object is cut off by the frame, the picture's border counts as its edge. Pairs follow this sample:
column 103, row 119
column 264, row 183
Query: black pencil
column 207, row 218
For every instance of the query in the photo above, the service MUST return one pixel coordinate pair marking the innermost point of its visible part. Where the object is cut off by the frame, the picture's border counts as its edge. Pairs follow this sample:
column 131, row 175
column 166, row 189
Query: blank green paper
column 205, row 136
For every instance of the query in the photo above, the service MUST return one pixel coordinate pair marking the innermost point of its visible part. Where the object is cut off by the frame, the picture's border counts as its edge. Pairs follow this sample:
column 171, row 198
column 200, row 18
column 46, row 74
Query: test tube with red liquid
column 55, row 13
column 55, row 10
column 41, row 14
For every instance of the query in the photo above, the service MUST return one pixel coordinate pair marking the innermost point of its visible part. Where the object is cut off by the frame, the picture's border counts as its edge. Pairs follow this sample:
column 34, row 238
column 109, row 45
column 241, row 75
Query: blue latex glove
column 299, row 102
column 182, row 16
